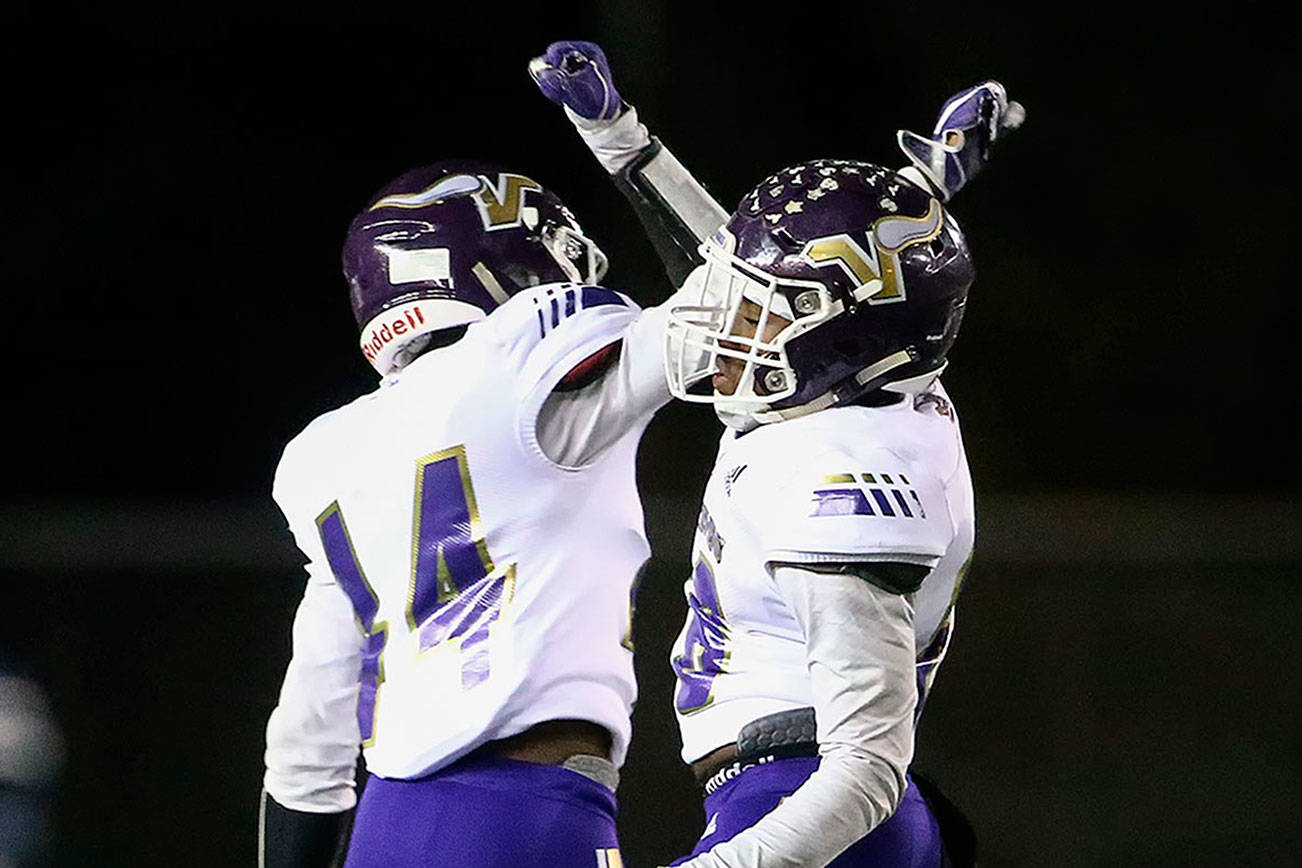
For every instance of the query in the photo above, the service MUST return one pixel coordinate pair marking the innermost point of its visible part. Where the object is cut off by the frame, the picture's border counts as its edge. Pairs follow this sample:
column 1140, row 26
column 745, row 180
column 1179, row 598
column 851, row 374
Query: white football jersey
column 462, row 586
column 848, row 484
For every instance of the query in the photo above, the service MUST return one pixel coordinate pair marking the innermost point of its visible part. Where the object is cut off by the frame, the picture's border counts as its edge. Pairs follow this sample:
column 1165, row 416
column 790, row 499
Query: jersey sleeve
column 842, row 508
column 567, row 326
column 313, row 735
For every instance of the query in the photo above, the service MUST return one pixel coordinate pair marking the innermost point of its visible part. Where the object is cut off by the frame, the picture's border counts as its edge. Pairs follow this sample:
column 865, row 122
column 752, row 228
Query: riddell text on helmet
column 409, row 320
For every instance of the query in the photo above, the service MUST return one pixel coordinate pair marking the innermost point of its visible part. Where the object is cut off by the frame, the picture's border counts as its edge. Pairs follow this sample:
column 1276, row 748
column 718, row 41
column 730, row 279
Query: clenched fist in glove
column 959, row 146
column 575, row 74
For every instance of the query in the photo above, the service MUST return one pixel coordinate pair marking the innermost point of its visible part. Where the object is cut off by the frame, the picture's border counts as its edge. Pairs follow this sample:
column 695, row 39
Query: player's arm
column 674, row 209
column 621, row 383
column 846, row 568
column 312, row 738
column 595, row 377
column 299, row 839
column 312, row 735
column 859, row 644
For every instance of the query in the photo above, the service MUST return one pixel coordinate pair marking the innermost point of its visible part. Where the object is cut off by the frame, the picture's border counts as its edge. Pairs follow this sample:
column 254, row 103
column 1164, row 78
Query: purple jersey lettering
column 348, row 573
column 704, row 646
column 455, row 591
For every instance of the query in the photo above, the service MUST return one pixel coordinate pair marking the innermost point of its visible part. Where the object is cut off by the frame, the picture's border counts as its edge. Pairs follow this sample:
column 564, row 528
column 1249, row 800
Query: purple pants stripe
column 484, row 813
column 910, row 838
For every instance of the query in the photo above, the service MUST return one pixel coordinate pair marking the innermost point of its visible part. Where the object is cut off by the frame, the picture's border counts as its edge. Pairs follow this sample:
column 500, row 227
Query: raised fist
column 959, row 146
column 576, row 75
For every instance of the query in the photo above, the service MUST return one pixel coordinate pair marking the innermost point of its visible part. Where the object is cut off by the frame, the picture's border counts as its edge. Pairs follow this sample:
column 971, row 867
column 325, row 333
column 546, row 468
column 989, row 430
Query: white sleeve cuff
column 614, row 143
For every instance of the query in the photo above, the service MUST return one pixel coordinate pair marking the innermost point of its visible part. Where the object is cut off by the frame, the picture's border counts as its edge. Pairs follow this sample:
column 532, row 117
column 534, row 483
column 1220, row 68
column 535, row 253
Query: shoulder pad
column 591, row 369
column 548, row 330
column 317, row 444
column 838, row 507
column 537, row 313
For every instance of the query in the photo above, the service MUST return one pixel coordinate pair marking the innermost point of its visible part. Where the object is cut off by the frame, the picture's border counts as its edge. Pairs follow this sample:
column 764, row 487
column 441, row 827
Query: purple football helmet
column 443, row 245
column 868, row 272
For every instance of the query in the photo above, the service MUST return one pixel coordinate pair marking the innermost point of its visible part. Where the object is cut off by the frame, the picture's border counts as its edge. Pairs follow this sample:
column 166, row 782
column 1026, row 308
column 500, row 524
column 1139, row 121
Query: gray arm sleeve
column 860, row 653
column 675, row 211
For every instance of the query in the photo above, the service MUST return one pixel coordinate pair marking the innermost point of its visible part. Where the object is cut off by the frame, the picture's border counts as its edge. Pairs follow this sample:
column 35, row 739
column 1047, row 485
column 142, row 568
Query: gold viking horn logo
column 877, row 268
column 500, row 203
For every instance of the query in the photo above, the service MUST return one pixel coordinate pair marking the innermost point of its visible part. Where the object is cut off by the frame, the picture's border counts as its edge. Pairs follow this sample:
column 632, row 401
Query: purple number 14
column 455, row 593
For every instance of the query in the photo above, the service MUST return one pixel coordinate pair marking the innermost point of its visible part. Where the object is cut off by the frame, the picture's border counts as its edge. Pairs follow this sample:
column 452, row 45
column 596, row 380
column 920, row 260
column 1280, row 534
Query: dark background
column 1124, row 686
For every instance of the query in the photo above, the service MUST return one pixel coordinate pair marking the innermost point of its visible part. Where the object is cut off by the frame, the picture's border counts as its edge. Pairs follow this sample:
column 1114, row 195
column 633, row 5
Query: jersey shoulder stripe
column 547, row 307
column 842, row 505
column 550, row 329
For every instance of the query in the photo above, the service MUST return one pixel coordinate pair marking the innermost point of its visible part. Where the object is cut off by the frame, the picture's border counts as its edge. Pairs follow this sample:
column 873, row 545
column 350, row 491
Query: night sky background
column 1124, row 688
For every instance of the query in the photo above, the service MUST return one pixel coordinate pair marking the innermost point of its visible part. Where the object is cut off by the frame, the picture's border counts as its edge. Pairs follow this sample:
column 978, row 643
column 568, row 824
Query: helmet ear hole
column 774, row 380
column 937, row 246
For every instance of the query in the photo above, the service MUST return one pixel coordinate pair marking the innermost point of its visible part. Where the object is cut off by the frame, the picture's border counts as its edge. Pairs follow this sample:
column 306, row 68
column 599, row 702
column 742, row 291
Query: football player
column 472, row 531
column 838, row 521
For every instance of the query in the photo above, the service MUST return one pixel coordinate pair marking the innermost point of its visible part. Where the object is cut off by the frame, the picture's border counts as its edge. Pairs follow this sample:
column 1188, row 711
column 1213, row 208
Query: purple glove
column 576, row 75
column 959, row 146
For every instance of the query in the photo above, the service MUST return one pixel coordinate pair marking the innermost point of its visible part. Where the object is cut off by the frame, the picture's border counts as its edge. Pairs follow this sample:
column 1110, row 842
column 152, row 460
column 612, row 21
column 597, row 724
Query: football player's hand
column 959, row 146
column 576, row 75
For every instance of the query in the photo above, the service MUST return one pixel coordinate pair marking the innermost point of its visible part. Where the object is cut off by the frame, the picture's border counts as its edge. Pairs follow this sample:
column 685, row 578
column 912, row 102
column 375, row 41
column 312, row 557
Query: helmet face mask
column 867, row 273
column 577, row 255
column 701, row 335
